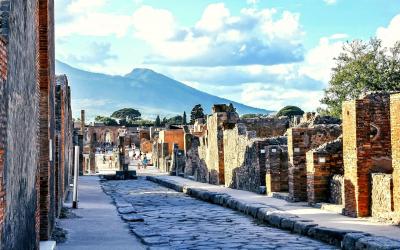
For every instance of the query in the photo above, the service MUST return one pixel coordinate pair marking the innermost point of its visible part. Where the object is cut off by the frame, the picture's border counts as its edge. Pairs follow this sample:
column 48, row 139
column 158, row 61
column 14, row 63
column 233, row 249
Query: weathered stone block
column 381, row 197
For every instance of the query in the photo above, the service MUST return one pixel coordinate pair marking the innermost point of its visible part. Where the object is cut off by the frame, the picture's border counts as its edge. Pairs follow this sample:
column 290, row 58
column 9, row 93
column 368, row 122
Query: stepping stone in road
column 132, row 218
column 126, row 210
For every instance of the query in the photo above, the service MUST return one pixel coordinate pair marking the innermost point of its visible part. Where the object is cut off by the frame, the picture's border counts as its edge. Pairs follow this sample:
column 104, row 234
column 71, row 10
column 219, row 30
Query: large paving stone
column 174, row 220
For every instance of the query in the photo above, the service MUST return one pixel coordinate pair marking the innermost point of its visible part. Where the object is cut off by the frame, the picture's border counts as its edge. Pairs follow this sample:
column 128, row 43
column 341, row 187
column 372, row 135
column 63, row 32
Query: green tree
column 290, row 111
column 176, row 120
column 106, row 120
column 184, row 118
column 361, row 67
column 164, row 121
column 157, row 123
column 197, row 112
column 127, row 114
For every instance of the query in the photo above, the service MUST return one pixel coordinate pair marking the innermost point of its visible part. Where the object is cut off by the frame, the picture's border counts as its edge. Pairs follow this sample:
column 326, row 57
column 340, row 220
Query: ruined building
column 354, row 165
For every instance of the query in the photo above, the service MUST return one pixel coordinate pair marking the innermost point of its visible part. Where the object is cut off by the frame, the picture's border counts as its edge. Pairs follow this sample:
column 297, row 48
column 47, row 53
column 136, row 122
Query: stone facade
column 395, row 140
column 381, row 195
column 301, row 140
column 322, row 164
column 366, row 148
column 18, row 112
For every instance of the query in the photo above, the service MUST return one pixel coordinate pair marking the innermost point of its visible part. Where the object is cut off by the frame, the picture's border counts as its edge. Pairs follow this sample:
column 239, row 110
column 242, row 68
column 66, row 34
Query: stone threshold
column 272, row 216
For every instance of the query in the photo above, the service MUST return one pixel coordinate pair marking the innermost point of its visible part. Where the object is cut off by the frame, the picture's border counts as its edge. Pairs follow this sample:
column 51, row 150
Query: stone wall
column 381, row 195
column 195, row 165
column 336, row 189
column 267, row 126
column 322, row 164
column 245, row 157
column 18, row 129
column 366, row 148
column 301, row 140
column 395, row 138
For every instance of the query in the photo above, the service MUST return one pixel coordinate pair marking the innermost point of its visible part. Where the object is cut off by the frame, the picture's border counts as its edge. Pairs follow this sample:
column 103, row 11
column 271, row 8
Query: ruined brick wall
column 46, row 76
column 267, row 126
column 366, row 148
column 395, row 138
column 63, row 139
column 19, row 124
column 301, row 140
column 245, row 158
column 322, row 164
column 381, row 195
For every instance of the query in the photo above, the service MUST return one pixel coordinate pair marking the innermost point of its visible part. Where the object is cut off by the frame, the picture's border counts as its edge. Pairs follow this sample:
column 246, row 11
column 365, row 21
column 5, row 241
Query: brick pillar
column 395, row 133
column 276, row 178
column 320, row 169
column 362, row 148
column 297, row 148
column 301, row 140
column 46, row 116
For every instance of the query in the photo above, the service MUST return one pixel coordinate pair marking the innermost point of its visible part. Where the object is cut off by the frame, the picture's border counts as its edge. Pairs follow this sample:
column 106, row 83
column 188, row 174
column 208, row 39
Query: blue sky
column 263, row 53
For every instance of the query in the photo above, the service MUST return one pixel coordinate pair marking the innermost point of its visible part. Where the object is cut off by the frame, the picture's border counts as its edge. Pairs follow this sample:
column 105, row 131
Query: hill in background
column 143, row 89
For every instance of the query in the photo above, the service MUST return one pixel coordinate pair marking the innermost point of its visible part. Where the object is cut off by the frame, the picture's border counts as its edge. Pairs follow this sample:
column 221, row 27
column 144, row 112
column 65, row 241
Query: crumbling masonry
column 313, row 161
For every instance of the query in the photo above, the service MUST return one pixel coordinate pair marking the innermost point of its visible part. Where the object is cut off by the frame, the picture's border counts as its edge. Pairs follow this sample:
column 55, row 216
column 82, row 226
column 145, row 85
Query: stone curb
column 345, row 239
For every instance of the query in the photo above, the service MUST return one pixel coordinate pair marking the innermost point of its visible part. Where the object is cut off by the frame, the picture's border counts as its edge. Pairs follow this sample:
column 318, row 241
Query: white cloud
column 253, row 2
column 330, row 2
column 221, row 39
column 84, row 17
column 95, row 24
column 320, row 60
column 391, row 34
column 153, row 24
column 276, row 97
column 83, row 6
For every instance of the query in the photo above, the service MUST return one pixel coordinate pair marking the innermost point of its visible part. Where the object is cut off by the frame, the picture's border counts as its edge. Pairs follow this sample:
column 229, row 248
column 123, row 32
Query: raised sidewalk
column 330, row 227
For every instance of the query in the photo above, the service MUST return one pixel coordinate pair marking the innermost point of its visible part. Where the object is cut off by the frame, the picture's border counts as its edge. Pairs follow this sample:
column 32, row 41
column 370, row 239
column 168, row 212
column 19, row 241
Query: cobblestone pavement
column 165, row 219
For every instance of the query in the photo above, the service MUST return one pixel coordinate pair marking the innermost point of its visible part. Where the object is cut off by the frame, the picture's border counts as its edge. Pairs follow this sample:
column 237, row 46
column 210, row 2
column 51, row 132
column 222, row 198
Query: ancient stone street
column 165, row 219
